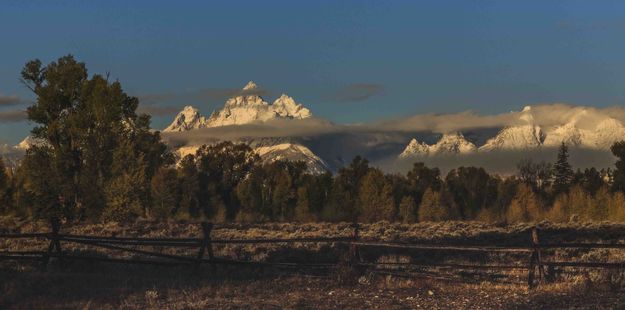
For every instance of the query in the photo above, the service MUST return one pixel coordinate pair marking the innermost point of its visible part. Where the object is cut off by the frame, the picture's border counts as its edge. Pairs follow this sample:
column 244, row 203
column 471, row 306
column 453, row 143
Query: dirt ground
column 108, row 286
column 163, row 288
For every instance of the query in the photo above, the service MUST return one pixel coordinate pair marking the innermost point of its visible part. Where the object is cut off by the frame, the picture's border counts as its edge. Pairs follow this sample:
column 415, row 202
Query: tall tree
column 537, row 175
column 618, row 183
column 437, row 206
column 473, row 189
column 525, row 207
column 420, row 178
column 562, row 171
column 375, row 198
column 82, row 121
column 221, row 167
column 407, row 210
column 189, row 180
column 4, row 187
column 344, row 192
column 165, row 192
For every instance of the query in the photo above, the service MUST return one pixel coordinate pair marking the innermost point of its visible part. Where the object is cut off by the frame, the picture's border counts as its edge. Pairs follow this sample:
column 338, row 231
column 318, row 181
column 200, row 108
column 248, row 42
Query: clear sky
column 348, row 61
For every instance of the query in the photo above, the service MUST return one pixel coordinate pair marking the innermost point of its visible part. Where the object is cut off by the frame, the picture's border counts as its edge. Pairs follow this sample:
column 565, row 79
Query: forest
column 101, row 161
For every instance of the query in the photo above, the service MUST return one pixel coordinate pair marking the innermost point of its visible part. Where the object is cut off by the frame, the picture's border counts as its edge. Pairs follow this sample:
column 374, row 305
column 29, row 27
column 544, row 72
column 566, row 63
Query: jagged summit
column 516, row 137
column 415, row 148
column 250, row 85
column 244, row 108
column 449, row 144
column 577, row 127
column 285, row 106
column 526, row 134
column 29, row 142
column 187, row 119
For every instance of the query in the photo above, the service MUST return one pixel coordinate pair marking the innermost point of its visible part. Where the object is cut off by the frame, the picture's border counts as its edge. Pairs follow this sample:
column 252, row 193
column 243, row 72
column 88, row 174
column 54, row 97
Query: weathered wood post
column 354, row 252
column 55, row 243
column 206, row 246
column 535, row 261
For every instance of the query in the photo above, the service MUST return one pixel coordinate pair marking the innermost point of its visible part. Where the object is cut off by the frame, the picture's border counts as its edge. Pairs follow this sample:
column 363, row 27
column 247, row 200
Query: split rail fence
column 535, row 267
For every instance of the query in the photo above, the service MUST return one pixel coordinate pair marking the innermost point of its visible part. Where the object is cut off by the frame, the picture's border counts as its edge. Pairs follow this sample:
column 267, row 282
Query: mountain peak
column 188, row 118
column 250, row 85
column 450, row 144
column 243, row 108
column 286, row 106
column 526, row 115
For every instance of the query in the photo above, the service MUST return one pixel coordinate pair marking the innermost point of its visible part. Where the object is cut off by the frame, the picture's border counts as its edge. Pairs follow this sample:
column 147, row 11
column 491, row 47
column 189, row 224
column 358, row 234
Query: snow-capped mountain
column 249, row 107
column 580, row 127
column 245, row 108
column 415, row 148
column 13, row 154
column 270, row 151
column 523, row 136
column 29, row 142
column 292, row 152
column 449, row 144
column 189, row 118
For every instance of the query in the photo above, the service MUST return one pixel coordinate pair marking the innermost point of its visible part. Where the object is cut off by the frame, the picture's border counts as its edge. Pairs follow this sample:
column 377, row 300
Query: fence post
column 535, row 260
column 206, row 245
column 354, row 253
column 55, row 243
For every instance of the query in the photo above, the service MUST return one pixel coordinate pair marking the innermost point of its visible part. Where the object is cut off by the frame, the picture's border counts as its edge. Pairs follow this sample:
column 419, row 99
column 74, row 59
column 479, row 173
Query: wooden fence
column 535, row 267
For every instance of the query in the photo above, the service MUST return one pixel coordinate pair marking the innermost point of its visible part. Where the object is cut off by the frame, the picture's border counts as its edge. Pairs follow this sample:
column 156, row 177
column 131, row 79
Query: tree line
column 101, row 161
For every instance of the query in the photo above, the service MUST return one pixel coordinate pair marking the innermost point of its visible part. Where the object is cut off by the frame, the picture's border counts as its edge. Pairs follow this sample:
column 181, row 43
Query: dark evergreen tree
column 562, row 171
column 165, row 192
column 591, row 180
column 5, row 183
column 344, row 194
column 420, row 178
column 618, row 175
column 189, row 183
column 83, row 120
column 221, row 167
column 473, row 189
column 375, row 198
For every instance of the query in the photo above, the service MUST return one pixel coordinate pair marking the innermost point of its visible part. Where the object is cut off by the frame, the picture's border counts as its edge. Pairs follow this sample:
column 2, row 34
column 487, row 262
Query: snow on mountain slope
column 29, row 142
column 189, row 118
column 577, row 127
column 269, row 152
column 449, row 144
column 566, row 133
column 523, row 136
column 247, row 107
column 415, row 148
column 292, row 152
column 588, row 129
column 606, row 133
column 515, row 137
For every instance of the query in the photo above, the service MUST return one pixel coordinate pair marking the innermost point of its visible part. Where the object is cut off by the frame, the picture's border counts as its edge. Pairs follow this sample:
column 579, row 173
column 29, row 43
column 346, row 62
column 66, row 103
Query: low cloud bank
column 10, row 100
column 272, row 129
column 502, row 162
column 545, row 115
column 12, row 116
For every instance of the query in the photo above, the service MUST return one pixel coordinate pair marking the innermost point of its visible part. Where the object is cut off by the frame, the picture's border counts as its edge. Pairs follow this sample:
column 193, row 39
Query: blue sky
column 412, row 56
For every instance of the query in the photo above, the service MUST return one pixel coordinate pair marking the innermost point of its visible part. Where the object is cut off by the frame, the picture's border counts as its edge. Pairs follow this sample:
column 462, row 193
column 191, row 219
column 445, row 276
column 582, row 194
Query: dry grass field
column 84, row 285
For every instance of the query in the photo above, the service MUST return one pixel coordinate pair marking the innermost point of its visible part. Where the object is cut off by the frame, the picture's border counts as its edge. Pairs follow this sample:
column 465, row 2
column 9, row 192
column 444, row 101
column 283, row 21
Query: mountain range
column 527, row 134
column 248, row 107
column 245, row 114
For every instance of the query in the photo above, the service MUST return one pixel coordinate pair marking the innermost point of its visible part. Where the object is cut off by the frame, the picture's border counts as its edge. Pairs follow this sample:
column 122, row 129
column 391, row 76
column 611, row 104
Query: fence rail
column 536, row 272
